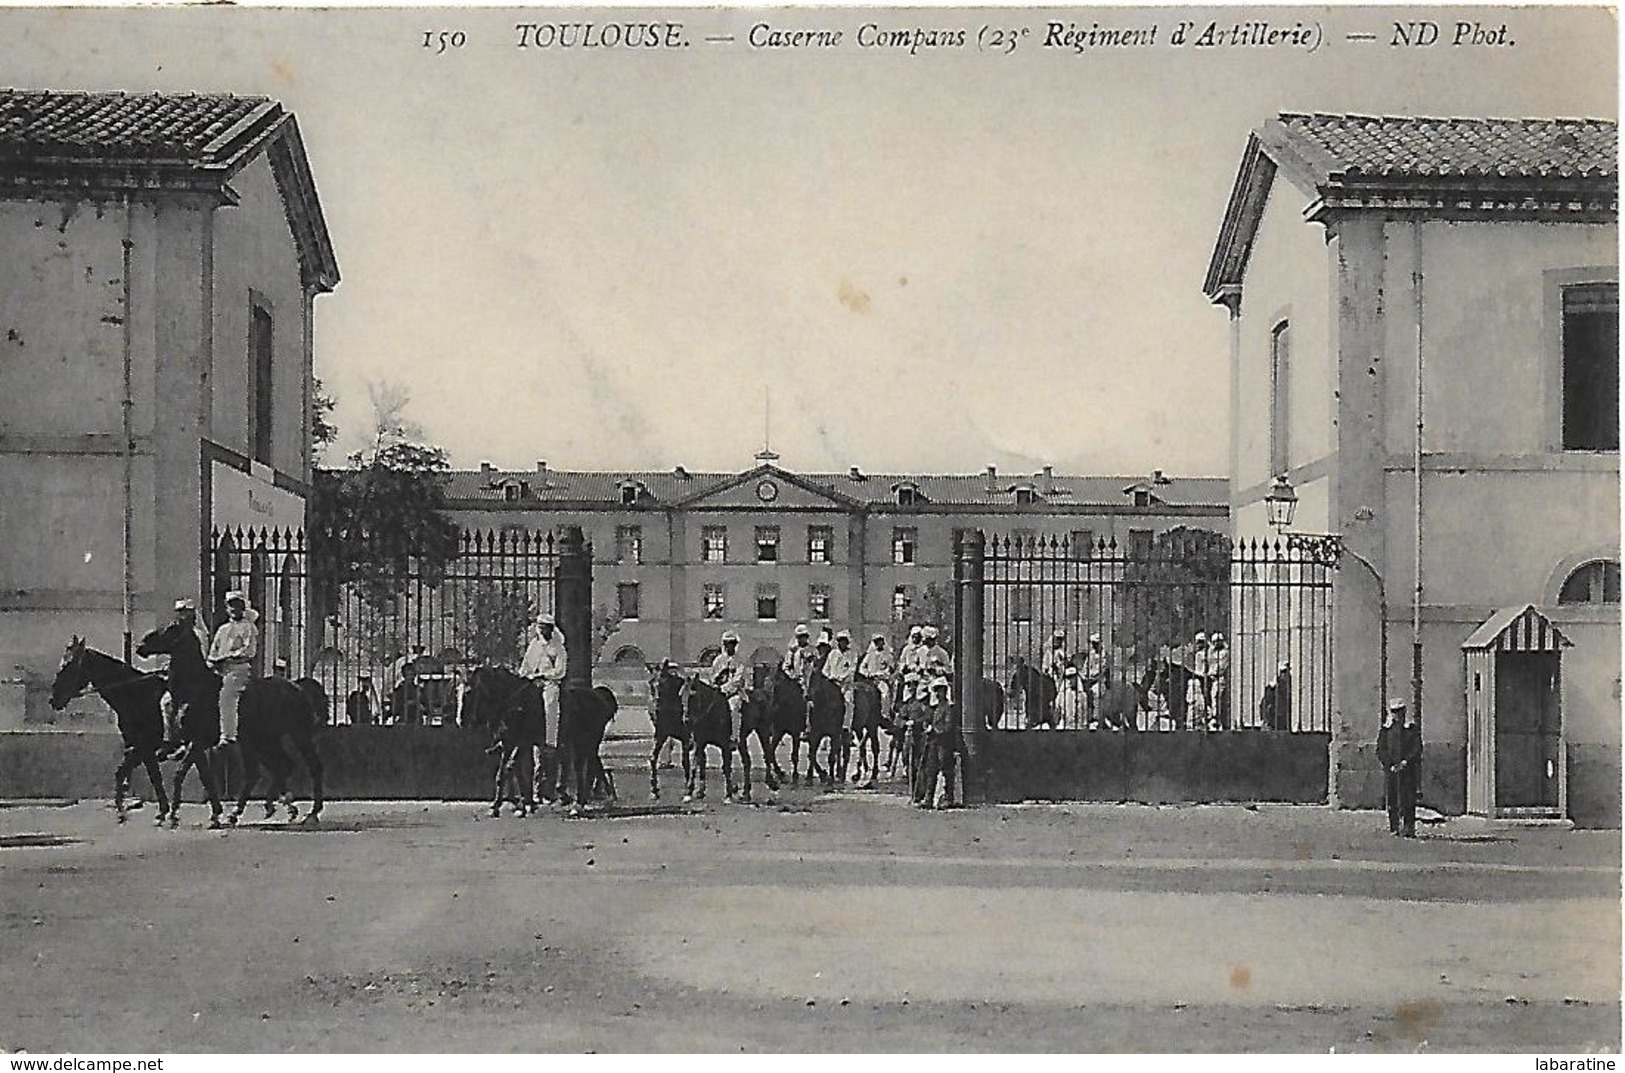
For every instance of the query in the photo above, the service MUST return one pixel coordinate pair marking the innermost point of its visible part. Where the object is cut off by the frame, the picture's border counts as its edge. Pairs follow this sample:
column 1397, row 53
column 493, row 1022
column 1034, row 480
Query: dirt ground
column 814, row 922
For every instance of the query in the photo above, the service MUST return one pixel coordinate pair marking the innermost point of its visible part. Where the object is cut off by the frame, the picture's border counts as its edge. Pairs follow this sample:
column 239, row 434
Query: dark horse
column 825, row 708
column 135, row 700
column 866, row 728
column 708, row 723
column 666, row 712
column 583, row 717
column 511, row 707
column 1037, row 691
column 195, row 692
column 269, row 712
column 786, row 715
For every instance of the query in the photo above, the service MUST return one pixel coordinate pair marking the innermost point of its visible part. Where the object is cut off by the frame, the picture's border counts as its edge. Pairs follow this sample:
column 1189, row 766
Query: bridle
column 91, row 687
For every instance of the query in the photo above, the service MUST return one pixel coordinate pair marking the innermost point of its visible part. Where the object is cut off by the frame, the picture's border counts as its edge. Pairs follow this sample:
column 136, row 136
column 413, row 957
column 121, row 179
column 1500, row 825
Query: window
column 1142, row 497
column 1594, row 583
column 818, row 602
column 1082, row 544
column 1139, row 543
column 908, row 495
column 1026, row 497
column 902, row 598
column 1021, row 603
column 820, row 543
column 903, row 543
column 629, row 544
column 1591, row 367
column 767, row 543
column 627, row 596
column 629, row 493
column 259, row 384
column 714, row 544
column 511, row 492
column 1280, row 363
column 716, row 601
column 767, row 602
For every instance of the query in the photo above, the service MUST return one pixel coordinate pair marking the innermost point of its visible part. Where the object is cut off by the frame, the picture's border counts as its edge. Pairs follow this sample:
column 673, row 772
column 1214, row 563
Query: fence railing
column 1185, row 632
column 390, row 642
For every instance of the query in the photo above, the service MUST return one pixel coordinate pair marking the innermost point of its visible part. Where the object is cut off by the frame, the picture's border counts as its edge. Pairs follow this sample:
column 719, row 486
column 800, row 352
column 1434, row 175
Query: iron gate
column 1184, row 632
column 396, row 645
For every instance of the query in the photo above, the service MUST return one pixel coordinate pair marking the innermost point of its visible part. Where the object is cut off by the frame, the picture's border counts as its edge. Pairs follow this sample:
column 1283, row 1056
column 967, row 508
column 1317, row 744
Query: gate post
column 573, row 605
column 970, row 552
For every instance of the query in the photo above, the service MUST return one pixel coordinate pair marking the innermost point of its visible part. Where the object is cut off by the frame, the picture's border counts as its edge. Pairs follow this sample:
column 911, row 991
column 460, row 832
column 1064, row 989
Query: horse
column 1119, row 706
column 195, row 691
column 708, row 722
column 866, row 728
column 135, row 699
column 511, row 707
column 666, row 713
column 825, row 714
column 1037, row 691
column 787, row 715
column 992, row 703
column 756, row 717
column 584, row 714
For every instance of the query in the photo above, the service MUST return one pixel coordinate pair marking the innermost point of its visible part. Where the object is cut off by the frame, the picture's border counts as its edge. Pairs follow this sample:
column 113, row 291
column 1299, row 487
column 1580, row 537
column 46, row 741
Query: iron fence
column 1184, row 632
column 390, row 643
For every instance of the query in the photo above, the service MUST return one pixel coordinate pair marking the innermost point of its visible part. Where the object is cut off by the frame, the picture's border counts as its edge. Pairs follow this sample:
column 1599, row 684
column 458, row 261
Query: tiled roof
column 875, row 489
column 100, row 128
column 1395, row 146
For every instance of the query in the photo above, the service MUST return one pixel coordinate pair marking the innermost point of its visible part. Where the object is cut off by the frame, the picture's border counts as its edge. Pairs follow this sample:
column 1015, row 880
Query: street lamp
column 1327, row 549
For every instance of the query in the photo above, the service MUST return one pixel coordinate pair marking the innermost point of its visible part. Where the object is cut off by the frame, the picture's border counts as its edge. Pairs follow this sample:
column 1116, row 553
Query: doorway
column 1528, row 730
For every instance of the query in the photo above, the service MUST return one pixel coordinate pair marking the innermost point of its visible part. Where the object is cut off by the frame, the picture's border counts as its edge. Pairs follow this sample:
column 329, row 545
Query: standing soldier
column 544, row 663
column 728, row 676
column 1055, row 659
column 941, row 746
column 1196, row 673
column 232, row 653
column 938, row 663
column 1219, row 683
column 1399, row 751
column 1092, row 680
column 911, row 666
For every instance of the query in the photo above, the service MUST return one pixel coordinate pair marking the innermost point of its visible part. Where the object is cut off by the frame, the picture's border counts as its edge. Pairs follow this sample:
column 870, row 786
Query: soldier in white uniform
column 232, row 653
column 802, row 658
column 911, row 665
column 544, row 663
column 938, row 663
column 839, row 667
column 877, row 666
column 1197, row 666
column 1092, row 677
column 1055, row 659
column 729, row 676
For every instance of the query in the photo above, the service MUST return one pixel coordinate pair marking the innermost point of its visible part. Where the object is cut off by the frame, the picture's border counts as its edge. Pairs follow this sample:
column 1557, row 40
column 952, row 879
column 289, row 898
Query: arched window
column 709, row 655
column 1597, row 582
column 630, row 654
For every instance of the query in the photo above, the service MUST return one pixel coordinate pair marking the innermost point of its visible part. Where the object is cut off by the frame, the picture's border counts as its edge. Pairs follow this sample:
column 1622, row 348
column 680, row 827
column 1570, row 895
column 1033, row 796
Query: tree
column 378, row 523
column 934, row 607
column 323, row 433
column 1180, row 588
column 491, row 623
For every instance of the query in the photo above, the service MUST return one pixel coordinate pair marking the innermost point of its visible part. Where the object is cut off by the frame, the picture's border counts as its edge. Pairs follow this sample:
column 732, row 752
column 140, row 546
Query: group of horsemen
column 916, row 684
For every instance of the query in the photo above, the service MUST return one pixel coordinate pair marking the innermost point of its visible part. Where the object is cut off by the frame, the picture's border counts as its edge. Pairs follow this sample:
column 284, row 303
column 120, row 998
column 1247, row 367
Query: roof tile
column 1399, row 146
column 96, row 128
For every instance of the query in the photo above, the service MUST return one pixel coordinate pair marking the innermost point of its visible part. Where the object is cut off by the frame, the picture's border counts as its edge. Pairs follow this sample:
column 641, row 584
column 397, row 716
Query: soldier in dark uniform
column 1399, row 750
column 941, row 746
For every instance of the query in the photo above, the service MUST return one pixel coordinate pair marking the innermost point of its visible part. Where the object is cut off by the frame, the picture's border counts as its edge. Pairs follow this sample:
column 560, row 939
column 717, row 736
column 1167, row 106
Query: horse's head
column 72, row 676
column 164, row 641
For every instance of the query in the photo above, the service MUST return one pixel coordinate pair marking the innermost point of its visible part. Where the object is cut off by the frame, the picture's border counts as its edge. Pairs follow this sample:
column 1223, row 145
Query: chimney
column 680, row 473
column 487, row 468
column 992, row 478
column 541, row 466
column 857, row 474
column 1158, row 477
column 1049, row 479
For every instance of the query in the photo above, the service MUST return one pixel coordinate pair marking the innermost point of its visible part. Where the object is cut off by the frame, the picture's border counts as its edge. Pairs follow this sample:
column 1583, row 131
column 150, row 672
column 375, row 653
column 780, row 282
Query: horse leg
column 313, row 764
column 688, row 769
column 205, row 773
column 654, row 768
column 121, row 782
column 768, row 775
column 156, row 775
column 744, row 765
column 175, row 787
column 251, row 777
column 507, row 757
column 727, row 771
column 702, row 749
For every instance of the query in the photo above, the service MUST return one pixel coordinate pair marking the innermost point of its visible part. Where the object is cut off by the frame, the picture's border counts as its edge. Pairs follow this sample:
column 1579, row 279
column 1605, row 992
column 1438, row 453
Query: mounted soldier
column 730, row 678
column 232, row 653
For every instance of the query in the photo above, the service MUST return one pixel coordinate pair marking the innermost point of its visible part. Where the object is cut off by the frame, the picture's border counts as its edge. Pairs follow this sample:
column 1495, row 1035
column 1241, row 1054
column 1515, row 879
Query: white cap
column 729, row 635
column 1200, row 636
column 545, row 619
column 1218, row 638
column 930, row 631
column 916, row 628
column 1094, row 638
column 237, row 594
column 844, row 635
column 803, row 631
column 1396, row 704
column 825, row 639
column 940, row 683
column 1286, row 665
column 878, row 637
column 184, row 604
column 1058, row 635
column 1071, row 672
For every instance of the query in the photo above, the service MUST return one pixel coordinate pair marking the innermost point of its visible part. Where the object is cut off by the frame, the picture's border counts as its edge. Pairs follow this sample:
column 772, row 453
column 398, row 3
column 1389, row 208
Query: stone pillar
column 573, row 602
column 970, row 549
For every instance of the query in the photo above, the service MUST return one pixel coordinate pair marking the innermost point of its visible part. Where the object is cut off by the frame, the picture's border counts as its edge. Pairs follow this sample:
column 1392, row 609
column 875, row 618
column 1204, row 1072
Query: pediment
column 769, row 488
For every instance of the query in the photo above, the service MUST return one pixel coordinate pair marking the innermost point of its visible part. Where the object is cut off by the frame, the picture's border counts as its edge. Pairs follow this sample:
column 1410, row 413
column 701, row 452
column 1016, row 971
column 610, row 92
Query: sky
column 929, row 262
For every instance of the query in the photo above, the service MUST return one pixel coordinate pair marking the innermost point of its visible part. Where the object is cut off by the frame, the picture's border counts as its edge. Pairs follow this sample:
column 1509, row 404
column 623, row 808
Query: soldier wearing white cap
column 232, row 653
column 877, row 666
column 941, row 744
column 1399, row 751
column 544, row 662
column 186, row 615
column 802, row 659
column 839, row 667
column 1055, row 658
column 729, row 677
column 1092, row 676
column 938, row 662
column 1196, row 683
column 911, row 665
column 1219, row 683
